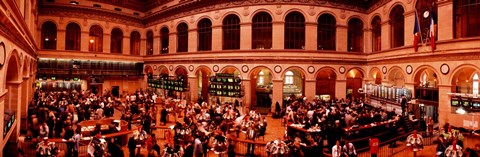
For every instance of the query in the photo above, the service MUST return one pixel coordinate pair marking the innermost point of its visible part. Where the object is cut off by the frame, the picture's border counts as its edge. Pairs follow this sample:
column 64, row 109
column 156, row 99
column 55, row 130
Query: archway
column 181, row 75
column 426, row 91
column 261, row 83
column 325, row 85
column 203, row 76
column 354, row 83
column 396, row 77
column 465, row 81
column 293, row 84
column 376, row 76
column 26, row 89
column 12, row 101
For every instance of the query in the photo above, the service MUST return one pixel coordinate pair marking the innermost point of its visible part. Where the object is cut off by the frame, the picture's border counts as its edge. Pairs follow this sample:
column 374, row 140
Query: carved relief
column 311, row 11
column 342, row 14
column 171, row 24
column 246, row 11
column 192, row 19
column 107, row 25
column 384, row 10
column 85, row 23
column 409, row 1
column 217, row 15
column 61, row 21
column 127, row 28
column 279, row 10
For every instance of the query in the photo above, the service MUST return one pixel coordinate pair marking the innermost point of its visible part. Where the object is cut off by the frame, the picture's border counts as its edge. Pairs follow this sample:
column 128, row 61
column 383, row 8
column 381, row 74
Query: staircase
column 407, row 124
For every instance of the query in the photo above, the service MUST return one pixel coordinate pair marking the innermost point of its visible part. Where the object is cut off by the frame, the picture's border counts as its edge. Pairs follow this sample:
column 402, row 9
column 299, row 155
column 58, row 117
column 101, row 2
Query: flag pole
column 420, row 31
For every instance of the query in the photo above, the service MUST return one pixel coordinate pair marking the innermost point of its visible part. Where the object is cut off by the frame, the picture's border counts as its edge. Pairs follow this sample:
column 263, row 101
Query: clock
column 245, row 69
column 444, row 69
column 341, row 70
column 3, row 54
column 191, row 68
column 384, row 69
column 409, row 69
column 215, row 68
column 426, row 14
column 170, row 67
column 154, row 67
column 311, row 69
column 277, row 69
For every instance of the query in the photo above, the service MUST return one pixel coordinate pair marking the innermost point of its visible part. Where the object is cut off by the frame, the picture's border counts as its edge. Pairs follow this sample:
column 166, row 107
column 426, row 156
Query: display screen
column 476, row 104
column 454, row 102
column 466, row 103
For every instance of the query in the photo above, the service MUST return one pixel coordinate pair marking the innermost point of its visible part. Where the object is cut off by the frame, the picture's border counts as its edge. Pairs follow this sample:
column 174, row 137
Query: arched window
column 116, row 40
column 182, row 37
column 135, row 43
column 294, row 31
column 289, row 77
column 72, row 37
column 164, row 41
column 262, row 31
column 204, row 35
column 376, row 34
column 149, row 43
column 231, row 32
column 261, row 78
column 475, row 84
column 49, row 35
column 355, row 35
column 467, row 19
column 424, row 79
column 422, row 7
column 397, row 24
column 95, row 39
column 326, row 30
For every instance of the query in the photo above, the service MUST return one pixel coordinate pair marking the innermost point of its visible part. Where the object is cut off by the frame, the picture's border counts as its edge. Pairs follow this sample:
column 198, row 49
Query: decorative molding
column 341, row 69
column 246, row 11
column 311, row 69
column 3, row 54
column 279, row 10
column 170, row 67
column 384, row 70
column 409, row 69
column 311, row 11
column 215, row 68
column 277, row 69
column 245, row 68
column 191, row 68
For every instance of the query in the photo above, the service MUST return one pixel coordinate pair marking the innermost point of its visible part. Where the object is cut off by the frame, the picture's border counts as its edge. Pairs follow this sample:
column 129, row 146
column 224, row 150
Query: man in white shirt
column 349, row 149
column 154, row 98
column 337, row 150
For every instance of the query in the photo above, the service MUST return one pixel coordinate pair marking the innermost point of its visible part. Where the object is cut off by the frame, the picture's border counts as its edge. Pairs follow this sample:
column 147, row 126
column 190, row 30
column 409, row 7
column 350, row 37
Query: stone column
column 84, row 41
column 172, row 41
column 245, row 36
column 217, row 38
column 126, row 45
column 193, row 82
column 341, row 89
column 278, row 34
column 247, row 98
column 192, row 40
column 61, row 39
column 367, row 40
column 106, row 43
column 143, row 46
column 156, row 44
column 311, row 36
column 277, row 93
column 444, row 107
column 408, row 28
column 445, row 20
column 341, row 37
column 385, row 36
column 310, row 90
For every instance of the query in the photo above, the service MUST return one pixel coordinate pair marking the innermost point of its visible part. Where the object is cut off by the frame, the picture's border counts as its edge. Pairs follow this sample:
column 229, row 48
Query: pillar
column 247, row 97
column 444, row 107
column 106, row 43
column 311, row 37
column 445, row 20
column 172, row 41
column 277, row 93
column 23, row 105
column 385, row 36
column 278, row 33
column 342, row 36
column 193, row 82
column 367, row 40
column 341, row 89
column 217, row 38
column 408, row 25
column 245, row 36
column 192, row 40
column 61, row 39
column 126, row 45
column 310, row 87
column 143, row 46
column 84, row 41
column 156, row 44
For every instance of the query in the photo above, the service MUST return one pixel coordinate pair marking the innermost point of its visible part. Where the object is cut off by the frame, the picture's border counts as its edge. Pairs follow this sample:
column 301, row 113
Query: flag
column 433, row 23
column 416, row 32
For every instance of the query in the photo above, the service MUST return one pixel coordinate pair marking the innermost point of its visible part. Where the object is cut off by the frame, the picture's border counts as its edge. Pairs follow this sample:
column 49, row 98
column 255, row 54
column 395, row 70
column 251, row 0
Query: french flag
column 416, row 32
column 431, row 34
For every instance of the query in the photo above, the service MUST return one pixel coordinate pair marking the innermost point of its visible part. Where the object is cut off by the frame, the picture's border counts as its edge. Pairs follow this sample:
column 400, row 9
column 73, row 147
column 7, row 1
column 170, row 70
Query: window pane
column 135, row 43
column 95, row 43
column 204, row 35
column 116, row 41
column 355, row 35
column 397, row 24
column 326, row 30
column 262, row 31
column 149, row 43
column 49, row 35
column 376, row 34
column 164, row 35
column 231, row 32
column 182, row 37
column 294, row 31
column 72, row 37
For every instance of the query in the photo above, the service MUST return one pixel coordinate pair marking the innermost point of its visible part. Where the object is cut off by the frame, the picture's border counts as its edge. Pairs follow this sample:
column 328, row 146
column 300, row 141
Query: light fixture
column 46, row 39
column 74, row 2
column 460, row 110
column 91, row 40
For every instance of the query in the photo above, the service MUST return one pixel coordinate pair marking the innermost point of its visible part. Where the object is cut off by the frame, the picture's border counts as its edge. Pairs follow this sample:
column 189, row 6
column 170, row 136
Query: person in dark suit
column 403, row 103
column 163, row 116
column 132, row 146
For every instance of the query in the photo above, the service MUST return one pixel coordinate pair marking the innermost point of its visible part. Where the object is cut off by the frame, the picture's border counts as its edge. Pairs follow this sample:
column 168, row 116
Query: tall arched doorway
column 325, row 86
column 261, row 83
column 426, row 91
column 181, row 75
column 354, row 83
column 12, row 105
column 396, row 77
column 293, row 84
column 376, row 76
column 203, row 76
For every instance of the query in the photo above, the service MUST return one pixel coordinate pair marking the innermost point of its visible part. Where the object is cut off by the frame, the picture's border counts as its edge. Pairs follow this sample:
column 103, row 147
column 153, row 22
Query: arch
column 74, row 22
column 375, row 73
column 162, row 69
column 96, row 38
column 360, row 70
column 181, row 70
column 417, row 73
column 327, row 12
column 294, row 30
column 462, row 78
column 397, row 24
column 73, row 36
column 148, row 69
column 203, row 73
column 26, row 67
column 32, row 67
column 180, row 23
column 116, row 41
column 202, row 18
column 231, row 13
column 49, row 35
column 293, row 84
column 40, row 24
column 261, row 10
column 135, row 43
column 300, row 69
column 295, row 10
column 395, row 75
column 117, row 27
column 13, row 67
column 261, row 83
column 461, row 67
column 376, row 26
column 398, row 3
column 203, row 69
column 355, row 17
column 256, row 69
column 326, row 68
column 375, row 15
column 204, row 30
column 97, row 24
column 231, row 69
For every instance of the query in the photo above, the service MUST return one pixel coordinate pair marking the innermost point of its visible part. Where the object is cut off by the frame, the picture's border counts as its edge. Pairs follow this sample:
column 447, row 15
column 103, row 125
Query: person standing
column 349, row 150
column 132, row 145
column 403, row 103
column 76, row 142
column 337, row 150
column 198, row 147
column 69, row 133
column 374, row 143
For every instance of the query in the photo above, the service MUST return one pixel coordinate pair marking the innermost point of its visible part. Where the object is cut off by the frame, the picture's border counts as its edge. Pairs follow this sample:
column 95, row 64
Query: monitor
column 454, row 102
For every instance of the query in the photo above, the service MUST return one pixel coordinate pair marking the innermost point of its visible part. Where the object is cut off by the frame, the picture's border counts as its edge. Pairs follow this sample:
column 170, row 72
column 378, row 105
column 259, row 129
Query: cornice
column 17, row 39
